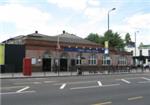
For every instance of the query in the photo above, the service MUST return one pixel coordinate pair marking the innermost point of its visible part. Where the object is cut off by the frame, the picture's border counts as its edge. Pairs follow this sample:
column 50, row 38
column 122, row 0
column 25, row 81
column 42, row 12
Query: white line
column 129, row 78
column 84, row 87
column 17, row 92
column 49, row 81
column 36, row 82
column 12, row 87
column 144, row 82
column 99, row 83
column 78, row 82
column 88, row 87
column 110, row 85
column 62, row 86
column 27, row 83
column 146, row 78
column 104, row 103
column 25, row 88
column 124, row 80
column 135, row 98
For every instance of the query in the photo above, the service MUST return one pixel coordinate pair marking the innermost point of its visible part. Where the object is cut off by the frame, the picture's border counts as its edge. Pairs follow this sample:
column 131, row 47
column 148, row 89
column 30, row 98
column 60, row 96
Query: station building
column 65, row 51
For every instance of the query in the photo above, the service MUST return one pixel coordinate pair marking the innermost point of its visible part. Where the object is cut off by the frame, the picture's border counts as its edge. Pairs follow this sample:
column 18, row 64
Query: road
column 125, row 89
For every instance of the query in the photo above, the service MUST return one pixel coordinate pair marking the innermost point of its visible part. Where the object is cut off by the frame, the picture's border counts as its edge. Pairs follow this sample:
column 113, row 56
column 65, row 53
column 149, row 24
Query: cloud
column 21, row 15
column 95, row 14
column 90, row 8
column 139, row 21
column 23, row 18
column 71, row 4
column 94, row 2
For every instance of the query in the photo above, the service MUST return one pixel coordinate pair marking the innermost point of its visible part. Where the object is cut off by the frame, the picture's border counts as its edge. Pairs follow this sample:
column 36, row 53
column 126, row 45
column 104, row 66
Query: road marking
column 104, row 103
column 144, row 82
column 146, row 78
column 62, row 86
column 78, row 82
column 130, row 78
column 88, row 87
column 99, row 83
column 12, row 87
column 36, row 82
column 124, row 80
column 75, row 88
column 25, row 88
column 110, row 85
column 9, row 93
column 49, row 81
column 135, row 98
column 27, row 83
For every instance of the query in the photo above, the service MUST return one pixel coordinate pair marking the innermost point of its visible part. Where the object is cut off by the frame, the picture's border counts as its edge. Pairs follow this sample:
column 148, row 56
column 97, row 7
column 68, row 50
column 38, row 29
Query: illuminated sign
column 85, row 50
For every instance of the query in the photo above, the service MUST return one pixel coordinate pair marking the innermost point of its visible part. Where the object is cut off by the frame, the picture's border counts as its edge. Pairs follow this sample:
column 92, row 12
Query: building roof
column 142, row 46
column 64, row 37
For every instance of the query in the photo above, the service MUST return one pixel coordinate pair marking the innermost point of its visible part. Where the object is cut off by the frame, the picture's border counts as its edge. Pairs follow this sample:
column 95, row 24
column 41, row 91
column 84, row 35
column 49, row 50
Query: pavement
column 126, row 89
column 56, row 74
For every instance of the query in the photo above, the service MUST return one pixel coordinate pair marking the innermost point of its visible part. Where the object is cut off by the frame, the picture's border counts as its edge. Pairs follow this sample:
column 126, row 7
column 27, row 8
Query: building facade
column 143, row 57
column 67, row 52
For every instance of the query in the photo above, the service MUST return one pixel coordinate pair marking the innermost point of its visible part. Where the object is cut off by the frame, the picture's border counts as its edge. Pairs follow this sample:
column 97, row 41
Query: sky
column 80, row 17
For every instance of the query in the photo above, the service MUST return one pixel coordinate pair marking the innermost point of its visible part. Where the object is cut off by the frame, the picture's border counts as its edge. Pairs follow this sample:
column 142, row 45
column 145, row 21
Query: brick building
column 67, row 52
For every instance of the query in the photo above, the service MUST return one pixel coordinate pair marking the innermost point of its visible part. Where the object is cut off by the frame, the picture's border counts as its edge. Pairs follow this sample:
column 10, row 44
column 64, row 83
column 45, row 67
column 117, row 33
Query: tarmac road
column 126, row 89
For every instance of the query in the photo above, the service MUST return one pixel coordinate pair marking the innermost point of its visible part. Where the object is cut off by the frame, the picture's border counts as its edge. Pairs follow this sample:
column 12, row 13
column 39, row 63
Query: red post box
column 27, row 67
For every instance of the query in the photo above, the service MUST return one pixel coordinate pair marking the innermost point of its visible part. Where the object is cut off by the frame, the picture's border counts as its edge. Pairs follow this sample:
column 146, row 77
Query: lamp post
column 57, row 52
column 108, row 15
column 135, row 40
column 135, row 33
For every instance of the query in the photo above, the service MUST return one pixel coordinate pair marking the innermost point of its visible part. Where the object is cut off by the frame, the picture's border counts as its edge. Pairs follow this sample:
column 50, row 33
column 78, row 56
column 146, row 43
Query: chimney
column 36, row 32
column 64, row 32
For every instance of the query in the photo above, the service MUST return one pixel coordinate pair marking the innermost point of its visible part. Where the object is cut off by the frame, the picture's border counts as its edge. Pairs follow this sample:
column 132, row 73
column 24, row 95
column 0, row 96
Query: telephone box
column 27, row 71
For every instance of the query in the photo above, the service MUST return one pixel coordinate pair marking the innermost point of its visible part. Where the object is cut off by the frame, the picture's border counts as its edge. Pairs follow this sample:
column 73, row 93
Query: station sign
column 85, row 50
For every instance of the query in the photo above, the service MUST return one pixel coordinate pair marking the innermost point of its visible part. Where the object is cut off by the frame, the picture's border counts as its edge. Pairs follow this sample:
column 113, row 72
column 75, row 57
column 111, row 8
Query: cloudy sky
column 80, row 17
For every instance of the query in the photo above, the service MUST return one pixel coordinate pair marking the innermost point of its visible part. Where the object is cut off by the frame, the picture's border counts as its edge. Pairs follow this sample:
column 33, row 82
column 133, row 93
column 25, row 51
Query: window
column 148, row 52
column 122, row 60
column 140, row 52
column 106, row 60
column 33, row 61
column 93, row 60
column 78, row 60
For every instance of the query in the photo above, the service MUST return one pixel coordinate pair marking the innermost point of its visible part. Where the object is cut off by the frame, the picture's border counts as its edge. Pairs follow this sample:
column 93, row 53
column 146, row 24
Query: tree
column 93, row 37
column 127, row 38
column 114, row 39
column 128, row 41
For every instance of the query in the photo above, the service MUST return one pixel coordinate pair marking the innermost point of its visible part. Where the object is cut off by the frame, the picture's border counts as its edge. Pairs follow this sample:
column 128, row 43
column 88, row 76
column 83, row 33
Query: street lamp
column 135, row 40
column 135, row 45
column 108, row 15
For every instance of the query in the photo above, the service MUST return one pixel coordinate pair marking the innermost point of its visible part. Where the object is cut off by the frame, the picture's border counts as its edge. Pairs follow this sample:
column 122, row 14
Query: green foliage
column 93, row 37
column 114, row 39
column 127, row 38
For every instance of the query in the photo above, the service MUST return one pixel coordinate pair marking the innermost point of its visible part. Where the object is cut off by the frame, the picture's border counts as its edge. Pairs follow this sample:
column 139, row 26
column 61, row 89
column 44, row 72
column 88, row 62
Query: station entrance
column 46, row 64
column 63, row 64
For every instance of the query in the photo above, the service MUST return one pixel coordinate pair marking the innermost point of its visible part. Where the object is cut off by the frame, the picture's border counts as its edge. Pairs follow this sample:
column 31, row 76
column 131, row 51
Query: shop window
column 106, row 60
column 122, row 60
column 93, row 60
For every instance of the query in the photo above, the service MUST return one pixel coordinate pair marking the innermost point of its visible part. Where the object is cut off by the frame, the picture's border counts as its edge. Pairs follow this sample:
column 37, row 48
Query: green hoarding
column 2, row 54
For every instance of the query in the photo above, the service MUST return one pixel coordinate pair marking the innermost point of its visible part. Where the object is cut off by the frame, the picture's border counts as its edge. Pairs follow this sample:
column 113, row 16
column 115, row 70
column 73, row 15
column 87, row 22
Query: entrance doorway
column 46, row 64
column 63, row 64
